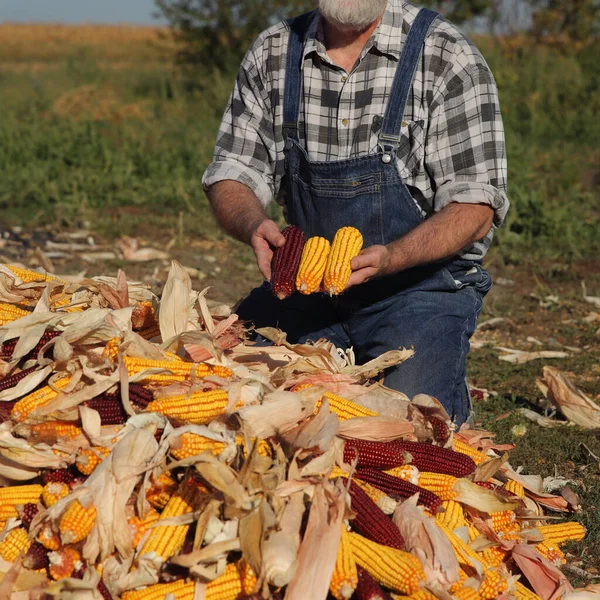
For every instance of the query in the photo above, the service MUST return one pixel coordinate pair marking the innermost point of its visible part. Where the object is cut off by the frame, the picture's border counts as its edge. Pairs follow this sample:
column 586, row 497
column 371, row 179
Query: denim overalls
column 431, row 308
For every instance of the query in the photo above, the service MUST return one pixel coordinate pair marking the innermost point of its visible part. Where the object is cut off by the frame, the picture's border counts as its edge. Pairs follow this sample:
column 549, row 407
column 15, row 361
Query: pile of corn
column 130, row 471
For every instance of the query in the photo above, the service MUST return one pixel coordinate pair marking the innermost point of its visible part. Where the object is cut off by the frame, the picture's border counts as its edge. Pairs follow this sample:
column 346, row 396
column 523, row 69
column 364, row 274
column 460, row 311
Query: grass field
column 99, row 130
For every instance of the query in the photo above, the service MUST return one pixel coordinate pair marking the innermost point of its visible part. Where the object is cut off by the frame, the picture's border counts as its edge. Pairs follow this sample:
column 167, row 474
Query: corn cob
column 28, row 276
column 36, row 557
column 488, row 485
column 371, row 522
column 143, row 316
column 192, row 444
column 285, row 262
column 40, row 397
column 380, row 455
column 261, row 447
column 11, row 312
column 466, row 593
column 149, row 333
column 77, row 522
column 111, row 411
column 11, row 497
column 312, row 265
column 179, row 369
column 7, row 348
column 523, row 593
column 347, row 243
column 494, row 556
column 198, row 407
column 345, row 576
column 400, row 488
column 103, row 591
column 58, row 475
column 50, row 432
column 179, row 590
column 16, row 541
column 464, row 553
column 420, row 595
column 345, row 409
column 368, row 588
column 89, row 458
column 166, row 540
column 441, row 431
column 494, row 583
column 11, row 381
column 140, row 526
column 63, row 562
column 464, row 448
column 504, row 521
column 392, row 568
column 453, row 516
column 562, row 532
column 427, row 457
column 406, row 472
column 384, row 502
column 551, row 552
column 49, row 538
column 438, row 483
column 53, row 492
column 27, row 513
column 161, row 490
column 515, row 488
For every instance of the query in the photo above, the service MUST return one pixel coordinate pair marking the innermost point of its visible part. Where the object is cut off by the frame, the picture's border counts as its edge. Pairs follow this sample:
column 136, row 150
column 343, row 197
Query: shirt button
column 404, row 124
column 344, row 77
column 345, row 122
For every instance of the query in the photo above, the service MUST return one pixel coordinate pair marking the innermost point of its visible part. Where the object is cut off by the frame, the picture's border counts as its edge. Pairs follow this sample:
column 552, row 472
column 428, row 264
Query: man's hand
column 374, row 261
column 265, row 237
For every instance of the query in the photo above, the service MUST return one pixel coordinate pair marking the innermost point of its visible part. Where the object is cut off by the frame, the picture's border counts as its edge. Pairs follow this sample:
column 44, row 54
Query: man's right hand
column 265, row 238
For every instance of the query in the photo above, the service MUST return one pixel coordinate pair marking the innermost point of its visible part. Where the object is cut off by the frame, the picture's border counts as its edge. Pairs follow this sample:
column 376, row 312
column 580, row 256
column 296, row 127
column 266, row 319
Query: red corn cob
column 139, row 395
column 486, row 484
column 7, row 348
column 27, row 514
column 103, row 591
column 110, row 409
column 12, row 380
column 58, row 475
column 368, row 588
column 434, row 459
column 399, row 488
column 380, row 455
column 285, row 262
column 371, row 521
column 36, row 557
column 441, row 431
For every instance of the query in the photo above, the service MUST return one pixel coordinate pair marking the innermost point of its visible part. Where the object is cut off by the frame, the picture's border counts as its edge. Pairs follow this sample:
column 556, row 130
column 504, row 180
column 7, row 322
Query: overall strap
column 403, row 79
column 293, row 77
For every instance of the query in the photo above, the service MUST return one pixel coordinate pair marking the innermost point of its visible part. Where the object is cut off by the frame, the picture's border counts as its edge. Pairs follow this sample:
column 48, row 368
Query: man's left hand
column 374, row 261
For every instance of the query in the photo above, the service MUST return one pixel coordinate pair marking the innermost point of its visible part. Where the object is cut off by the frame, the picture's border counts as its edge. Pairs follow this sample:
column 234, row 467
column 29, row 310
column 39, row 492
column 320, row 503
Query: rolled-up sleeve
column 466, row 152
column 245, row 146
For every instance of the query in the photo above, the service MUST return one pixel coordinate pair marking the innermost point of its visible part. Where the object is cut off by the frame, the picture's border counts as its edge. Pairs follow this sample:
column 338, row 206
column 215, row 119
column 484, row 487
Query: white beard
column 352, row 14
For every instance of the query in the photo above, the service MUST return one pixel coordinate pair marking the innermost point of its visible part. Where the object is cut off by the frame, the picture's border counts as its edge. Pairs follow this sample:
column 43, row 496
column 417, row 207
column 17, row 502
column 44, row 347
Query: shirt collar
column 386, row 38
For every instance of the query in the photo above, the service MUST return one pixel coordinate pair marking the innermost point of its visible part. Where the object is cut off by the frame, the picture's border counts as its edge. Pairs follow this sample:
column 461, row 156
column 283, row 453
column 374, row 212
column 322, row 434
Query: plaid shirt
column 452, row 147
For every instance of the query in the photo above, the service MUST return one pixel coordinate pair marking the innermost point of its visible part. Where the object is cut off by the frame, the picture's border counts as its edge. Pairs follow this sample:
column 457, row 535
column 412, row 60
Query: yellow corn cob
column 49, row 432
column 140, row 526
column 562, row 532
column 192, row 444
column 49, row 538
column 552, row 553
column 393, row 568
column 453, row 516
column 466, row 593
column 345, row 574
column 420, row 595
column 464, row 553
column 10, row 312
column 345, row 409
column 504, row 521
column 494, row 556
column 494, row 583
column 438, row 483
column 514, row 487
column 161, row 490
column 179, row 369
column 347, row 243
column 26, row 405
column 406, row 472
column 16, row 541
column 523, row 593
column 472, row 532
column 464, row 448
column 462, row 578
column 11, row 497
column 77, row 522
column 27, row 275
column 262, row 447
column 166, row 540
column 237, row 581
column 63, row 562
column 89, row 458
column 53, row 492
column 312, row 265
column 198, row 407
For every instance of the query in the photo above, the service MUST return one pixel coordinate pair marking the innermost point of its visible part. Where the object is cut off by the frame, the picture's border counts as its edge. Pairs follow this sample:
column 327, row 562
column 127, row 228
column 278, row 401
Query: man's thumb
column 273, row 235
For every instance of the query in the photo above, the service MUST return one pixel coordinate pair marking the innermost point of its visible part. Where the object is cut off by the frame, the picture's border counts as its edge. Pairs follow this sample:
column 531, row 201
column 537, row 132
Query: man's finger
column 272, row 234
column 362, row 261
column 361, row 276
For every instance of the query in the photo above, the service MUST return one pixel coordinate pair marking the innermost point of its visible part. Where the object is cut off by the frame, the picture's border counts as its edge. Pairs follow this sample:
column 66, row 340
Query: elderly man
column 375, row 114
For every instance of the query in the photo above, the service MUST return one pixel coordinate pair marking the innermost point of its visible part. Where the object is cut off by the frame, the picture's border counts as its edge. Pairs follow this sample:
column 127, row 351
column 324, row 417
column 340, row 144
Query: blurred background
column 109, row 112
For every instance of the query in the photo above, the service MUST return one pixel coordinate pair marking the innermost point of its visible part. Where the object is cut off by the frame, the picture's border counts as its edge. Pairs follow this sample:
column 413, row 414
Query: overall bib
column 432, row 308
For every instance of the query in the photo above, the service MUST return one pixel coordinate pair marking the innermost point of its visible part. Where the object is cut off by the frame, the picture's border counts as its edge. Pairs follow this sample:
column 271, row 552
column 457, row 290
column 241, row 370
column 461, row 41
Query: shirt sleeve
column 245, row 146
column 465, row 147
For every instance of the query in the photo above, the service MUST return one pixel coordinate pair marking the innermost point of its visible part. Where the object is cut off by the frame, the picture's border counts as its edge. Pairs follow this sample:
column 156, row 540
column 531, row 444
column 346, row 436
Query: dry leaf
column 520, row 357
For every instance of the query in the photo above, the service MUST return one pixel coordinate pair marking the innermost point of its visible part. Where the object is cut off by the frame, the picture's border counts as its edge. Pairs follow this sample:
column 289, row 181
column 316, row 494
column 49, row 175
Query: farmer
column 375, row 114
